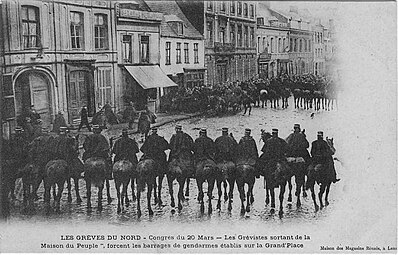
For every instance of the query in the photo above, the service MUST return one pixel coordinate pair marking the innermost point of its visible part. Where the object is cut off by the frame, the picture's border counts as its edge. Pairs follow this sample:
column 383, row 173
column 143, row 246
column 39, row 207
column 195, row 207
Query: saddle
column 295, row 160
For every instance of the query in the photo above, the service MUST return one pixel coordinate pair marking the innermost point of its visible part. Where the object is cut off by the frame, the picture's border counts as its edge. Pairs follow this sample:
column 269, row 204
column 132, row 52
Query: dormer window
column 177, row 26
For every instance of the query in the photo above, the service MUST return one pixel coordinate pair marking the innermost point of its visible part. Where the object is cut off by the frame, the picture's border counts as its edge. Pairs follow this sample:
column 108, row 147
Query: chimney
column 294, row 9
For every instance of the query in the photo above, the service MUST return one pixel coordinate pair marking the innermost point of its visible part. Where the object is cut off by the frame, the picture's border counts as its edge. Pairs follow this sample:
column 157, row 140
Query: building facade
column 181, row 46
column 319, row 49
column 58, row 56
column 272, row 43
column 229, row 29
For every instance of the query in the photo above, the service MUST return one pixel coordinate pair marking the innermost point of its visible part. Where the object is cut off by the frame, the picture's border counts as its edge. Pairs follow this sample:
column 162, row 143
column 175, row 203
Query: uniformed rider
column 276, row 148
column 322, row 154
column 41, row 148
column 298, row 144
column 64, row 146
column 225, row 147
column 125, row 148
column 154, row 148
column 17, row 146
column 247, row 149
column 204, row 147
column 180, row 142
column 96, row 145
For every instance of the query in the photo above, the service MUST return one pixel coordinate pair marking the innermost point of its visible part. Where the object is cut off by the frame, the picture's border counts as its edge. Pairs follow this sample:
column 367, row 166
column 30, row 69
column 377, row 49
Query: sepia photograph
column 195, row 126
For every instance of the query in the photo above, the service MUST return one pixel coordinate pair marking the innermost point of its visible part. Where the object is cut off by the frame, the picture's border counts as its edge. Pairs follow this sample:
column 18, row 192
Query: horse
column 322, row 174
column 31, row 175
column 146, row 171
column 285, row 94
column 227, row 177
column 56, row 173
column 123, row 172
column 144, row 125
column 95, row 172
column 298, row 167
column 245, row 174
column 263, row 97
column 180, row 169
column 206, row 170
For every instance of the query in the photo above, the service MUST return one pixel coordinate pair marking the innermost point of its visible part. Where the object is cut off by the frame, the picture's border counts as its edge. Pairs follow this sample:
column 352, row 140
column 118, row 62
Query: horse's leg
column 320, row 195
column 25, row 193
column 125, row 184
column 76, row 182
column 148, row 196
column 314, row 197
column 47, row 191
column 155, row 195
column 139, row 188
column 54, row 194
column 88, row 194
column 272, row 194
column 117, row 186
column 108, row 192
column 187, row 188
column 266, row 193
column 210, row 187
column 171, row 192
column 161, row 176
column 249, row 195
column 61, row 185
column 181, row 181
column 69, row 189
column 132, row 188
column 327, row 194
column 299, row 184
column 199, row 182
column 289, row 181
column 125, row 188
column 100, row 189
column 241, row 189
column 281, row 195
column 225, row 190
column 231, row 183
column 219, row 189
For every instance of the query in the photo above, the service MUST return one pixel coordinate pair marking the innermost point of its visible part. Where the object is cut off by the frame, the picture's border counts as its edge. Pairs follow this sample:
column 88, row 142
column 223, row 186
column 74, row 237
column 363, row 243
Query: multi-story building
column 229, row 29
column 181, row 45
column 58, row 56
column 319, row 49
column 272, row 43
column 330, row 48
column 138, row 36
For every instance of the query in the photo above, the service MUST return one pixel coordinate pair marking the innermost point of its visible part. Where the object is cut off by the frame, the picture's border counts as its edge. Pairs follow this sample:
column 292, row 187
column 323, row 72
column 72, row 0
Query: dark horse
column 56, row 173
column 245, row 174
column 227, row 177
column 123, row 172
column 180, row 169
column 95, row 171
column 31, row 175
column 146, row 170
column 298, row 168
column 206, row 170
column 322, row 174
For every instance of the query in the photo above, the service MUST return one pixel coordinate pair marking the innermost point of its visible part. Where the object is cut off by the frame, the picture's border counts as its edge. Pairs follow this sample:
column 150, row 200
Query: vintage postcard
column 179, row 126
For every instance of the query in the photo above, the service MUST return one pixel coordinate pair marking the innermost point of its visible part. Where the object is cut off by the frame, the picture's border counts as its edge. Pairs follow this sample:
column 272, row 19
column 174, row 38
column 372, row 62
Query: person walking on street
column 84, row 119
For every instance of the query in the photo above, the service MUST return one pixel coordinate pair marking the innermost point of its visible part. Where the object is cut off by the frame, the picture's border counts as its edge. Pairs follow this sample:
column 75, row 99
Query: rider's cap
column 224, row 129
column 96, row 127
column 248, row 130
column 45, row 129
column 275, row 130
column 203, row 130
column 320, row 133
column 154, row 129
column 296, row 126
column 63, row 129
column 18, row 129
column 178, row 127
column 124, row 131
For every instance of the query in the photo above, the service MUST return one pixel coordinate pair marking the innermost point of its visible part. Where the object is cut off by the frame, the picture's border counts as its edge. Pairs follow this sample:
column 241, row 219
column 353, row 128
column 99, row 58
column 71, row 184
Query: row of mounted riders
column 309, row 92
column 221, row 162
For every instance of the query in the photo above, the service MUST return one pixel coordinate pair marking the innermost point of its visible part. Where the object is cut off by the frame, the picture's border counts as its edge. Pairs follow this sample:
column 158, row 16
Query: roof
column 150, row 77
column 292, row 15
column 172, row 12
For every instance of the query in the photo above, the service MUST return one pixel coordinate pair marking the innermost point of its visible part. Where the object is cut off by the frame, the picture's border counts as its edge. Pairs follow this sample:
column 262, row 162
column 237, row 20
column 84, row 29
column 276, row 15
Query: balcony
column 224, row 47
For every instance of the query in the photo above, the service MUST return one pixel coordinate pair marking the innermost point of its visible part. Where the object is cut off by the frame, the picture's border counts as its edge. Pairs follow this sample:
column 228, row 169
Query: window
column 309, row 45
column 252, row 42
column 305, row 45
column 101, row 31
column 210, row 31
column 301, row 45
column 222, row 34
column 232, row 34
column 240, row 8
column 232, row 8
column 245, row 9
column 260, row 21
column 280, row 45
column 222, row 6
column 104, row 86
column 168, row 53
column 285, row 46
column 178, row 27
column 251, row 11
column 209, row 5
column 272, row 44
column 258, row 44
column 295, row 45
column 127, row 49
column 30, row 27
column 178, row 51
column 246, row 37
column 196, row 53
column 144, row 49
column 239, row 35
column 265, row 45
column 77, row 30
column 186, row 53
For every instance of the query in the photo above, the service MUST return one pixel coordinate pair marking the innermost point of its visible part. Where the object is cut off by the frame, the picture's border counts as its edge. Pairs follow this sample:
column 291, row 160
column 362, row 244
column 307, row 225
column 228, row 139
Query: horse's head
column 330, row 143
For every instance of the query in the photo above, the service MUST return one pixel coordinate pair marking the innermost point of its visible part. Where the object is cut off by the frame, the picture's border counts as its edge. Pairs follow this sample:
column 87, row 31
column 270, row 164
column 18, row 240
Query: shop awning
column 150, row 77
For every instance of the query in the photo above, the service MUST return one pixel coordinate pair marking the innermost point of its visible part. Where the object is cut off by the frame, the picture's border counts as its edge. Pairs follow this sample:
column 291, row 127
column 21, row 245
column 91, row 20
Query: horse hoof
column 172, row 204
column 127, row 204
column 280, row 214
column 179, row 207
column 134, row 198
column 242, row 211
column 321, row 207
column 99, row 209
column 316, row 208
column 225, row 198
column 272, row 211
column 173, row 211
column 150, row 212
column 289, row 205
column 202, row 208
column 267, row 201
column 79, row 200
column 326, row 203
column 187, row 194
column 298, row 204
column 139, row 214
column 248, row 209
column 160, row 202
column 251, row 200
column 229, row 208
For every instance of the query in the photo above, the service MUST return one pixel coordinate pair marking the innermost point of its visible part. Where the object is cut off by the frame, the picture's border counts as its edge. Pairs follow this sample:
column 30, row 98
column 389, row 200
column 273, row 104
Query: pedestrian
column 84, row 119
column 125, row 148
column 59, row 121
